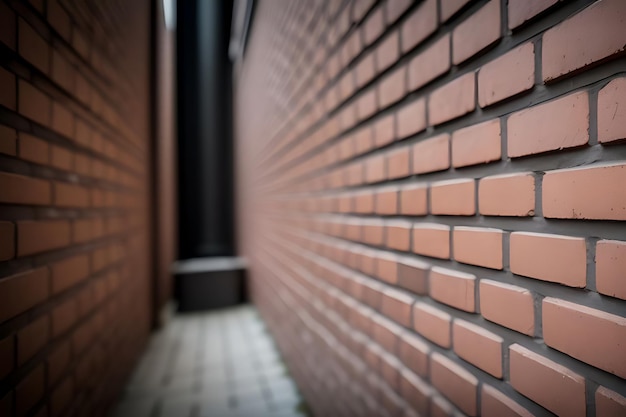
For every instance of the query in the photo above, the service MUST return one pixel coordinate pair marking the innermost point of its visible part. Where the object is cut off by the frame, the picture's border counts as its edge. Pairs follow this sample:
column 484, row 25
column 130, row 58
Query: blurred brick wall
column 74, row 154
column 432, row 198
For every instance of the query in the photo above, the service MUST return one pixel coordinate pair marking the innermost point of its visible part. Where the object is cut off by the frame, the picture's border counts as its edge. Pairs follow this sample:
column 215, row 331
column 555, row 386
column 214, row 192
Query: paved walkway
column 216, row 364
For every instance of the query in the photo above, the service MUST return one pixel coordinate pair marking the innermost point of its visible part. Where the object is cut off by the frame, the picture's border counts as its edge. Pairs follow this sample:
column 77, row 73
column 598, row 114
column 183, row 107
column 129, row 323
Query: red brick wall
column 432, row 197
column 74, row 155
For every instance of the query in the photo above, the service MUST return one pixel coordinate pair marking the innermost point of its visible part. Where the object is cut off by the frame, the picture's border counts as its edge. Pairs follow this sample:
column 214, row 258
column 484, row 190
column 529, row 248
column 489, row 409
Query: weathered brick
column 610, row 267
column 521, row 11
column 612, row 111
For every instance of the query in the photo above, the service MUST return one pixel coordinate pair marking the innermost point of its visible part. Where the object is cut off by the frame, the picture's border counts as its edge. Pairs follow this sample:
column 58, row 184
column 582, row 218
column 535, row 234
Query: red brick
column 40, row 236
column 553, row 258
column 457, row 384
column 394, row 9
column 33, row 47
column 399, row 234
column 32, row 338
column 374, row 26
column 34, row 149
column 507, row 75
column 507, row 305
column 7, row 241
column 61, row 158
column 507, row 195
column 555, row 125
column 594, row 34
column 62, row 120
column 612, row 111
column 58, row 362
column 416, row 392
column 610, row 267
column 453, row 100
column 414, row 353
column 18, row 189
column 413, row 275
column 453, row 288
column 375, row 169
column 360, row 8
column 478, row 346
column 591, row 192
column 80, row 44
column 432, row 323
column 8, row 140
column 366, row 104
column 351, row 47
column 607, row 331
column 61, row 397
column 477, row 144
column 30, row 391
column 64, row 316
column 549, row 384
column 450, row 7
column 373, row 231
column 431, row 239
column 387, row 51
column 7, row 357
column 384, row 132
column 453, row 197
column 365, row 71
column 385, row 333
column 23, row 291
column 609, row 403
column 480, row 30
column 387, row 267
column 496, row 404
column 387, row 200
column 431, row 154
column 398, row 163
column 419, row 25
column 521, row 11
column 430, row 64
column 8, row 93
column 63, row 73
column 411, row 118
column 7, row 26
column 440, row 407
column 478, row 246
column 69, row 272
column 34, row 104
column 392, row 88
column 70, row 195
column 413, row 200
column 59, row 19
column 396, row 305
column 364, row 202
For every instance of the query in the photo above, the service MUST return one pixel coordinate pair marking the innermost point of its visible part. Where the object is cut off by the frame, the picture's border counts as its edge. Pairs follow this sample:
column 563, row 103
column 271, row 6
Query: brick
column 21, row 292
column 58, row 361
column 477, row 32
column 40, row 236
column 450, row 7
column 7, row 357
column 7, row 26
column 33, row 149
column 7, row 241
column 609, row 403
column 8, row 94
column 477, row 144
column 440, row 407
column 375, row 169
column 453, row 197
column 608, row 332
column 366, row 104
column 414, row 353
column 398, row 163
column 63, row 73
column 507, row 76
column 431, row 239
column 387, row 201
column 61, row 397
column 64, row 317
column 429, row 64
column 610, row 267
column 453, row 288
column 431, row 155
column 374, row 26
column 365, row 71
column 59, row 19
column 399, row 234
column 394, row 9
column 507, row 195
column 385, row 333
column 80, row 44
column 364, row 203
column 373, row 231
column 413, row 200
column 432, row 323
column 555, row 125
column 553, row 258
column 8, row 141
column 457, row 384
column 387, row 267
column 61, row 158
column 416, row 392
column 419, row 25
column 496, row 404
column 413, row 275
column 69, row 272
column 478, row 346
column 384, row 131
column 547, row 383
column 62, row 120
column 34, row 104
column 32, row 338
column 521, row 11
column 612, row 111
column 411, row 118
column 507, row 305
column 396, row 305
column 33, row 47
column 594, row 34
column 70, row 195
column 392, row 88
column 360, row 8
column 387, row 51
column 453, row 100
column 592, row 192
column 478, row 246
column 18, row 189
column 30, row 391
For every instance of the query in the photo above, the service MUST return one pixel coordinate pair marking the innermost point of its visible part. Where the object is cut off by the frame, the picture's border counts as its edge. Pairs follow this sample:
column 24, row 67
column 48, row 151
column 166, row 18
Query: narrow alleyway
column 215, row 364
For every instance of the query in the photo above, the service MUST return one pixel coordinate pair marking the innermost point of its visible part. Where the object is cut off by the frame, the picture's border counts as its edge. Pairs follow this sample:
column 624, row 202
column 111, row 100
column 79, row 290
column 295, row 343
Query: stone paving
column 215, row 364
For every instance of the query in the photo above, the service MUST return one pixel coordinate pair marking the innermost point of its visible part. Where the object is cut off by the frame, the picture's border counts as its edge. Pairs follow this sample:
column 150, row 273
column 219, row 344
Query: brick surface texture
column 74, row 218
column 432, row 195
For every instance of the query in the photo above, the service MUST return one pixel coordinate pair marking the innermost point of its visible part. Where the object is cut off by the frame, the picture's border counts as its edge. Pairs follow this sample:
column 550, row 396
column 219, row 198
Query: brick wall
column 432, row 199
column 74, row 153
